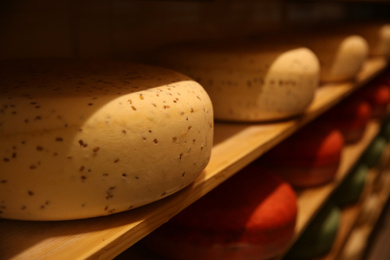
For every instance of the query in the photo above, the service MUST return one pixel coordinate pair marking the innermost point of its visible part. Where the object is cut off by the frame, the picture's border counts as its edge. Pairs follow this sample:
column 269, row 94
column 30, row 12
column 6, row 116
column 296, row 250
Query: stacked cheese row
column 75, row 134
column 247, row 81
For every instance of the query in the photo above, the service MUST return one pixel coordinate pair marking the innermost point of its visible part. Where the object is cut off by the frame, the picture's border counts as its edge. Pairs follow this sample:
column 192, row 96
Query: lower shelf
column 309, row 201
column 365, row 220
column 358, row 220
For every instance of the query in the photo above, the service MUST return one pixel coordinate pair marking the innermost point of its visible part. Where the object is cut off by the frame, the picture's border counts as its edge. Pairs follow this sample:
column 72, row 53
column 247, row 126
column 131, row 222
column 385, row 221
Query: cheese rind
column 348, row 60
column 85, row 139
column 250, row 216
column 249, row 82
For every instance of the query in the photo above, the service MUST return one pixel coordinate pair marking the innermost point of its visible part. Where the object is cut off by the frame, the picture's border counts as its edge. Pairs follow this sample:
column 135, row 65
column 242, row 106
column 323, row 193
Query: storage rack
column 235, row 146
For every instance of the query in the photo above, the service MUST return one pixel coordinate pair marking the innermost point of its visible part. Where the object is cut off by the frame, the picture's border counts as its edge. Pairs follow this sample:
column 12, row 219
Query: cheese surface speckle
column 87, row 138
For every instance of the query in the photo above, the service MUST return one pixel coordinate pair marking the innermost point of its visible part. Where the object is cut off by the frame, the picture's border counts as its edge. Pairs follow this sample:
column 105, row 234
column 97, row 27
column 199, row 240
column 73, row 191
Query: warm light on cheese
column 247, row 81
column 88, row 139
column 348, row 59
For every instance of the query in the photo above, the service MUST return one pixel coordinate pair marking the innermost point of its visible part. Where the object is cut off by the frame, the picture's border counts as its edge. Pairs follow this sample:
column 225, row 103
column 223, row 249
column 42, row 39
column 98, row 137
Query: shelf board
column 310, row 200
column 354, row 237
column 235, row 146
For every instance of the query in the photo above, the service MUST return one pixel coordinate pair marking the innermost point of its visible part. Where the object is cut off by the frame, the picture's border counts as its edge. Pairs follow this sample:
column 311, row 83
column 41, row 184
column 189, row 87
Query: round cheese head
column 319, row 236
column 247, row 81
column 341, row 56
column 377, row 36
column 310, row 157
column 351, row 117
column 347, row 60
column 88, row 138
column 381, row 43
column 351, row 188
column 250, row 216
column 374, row 152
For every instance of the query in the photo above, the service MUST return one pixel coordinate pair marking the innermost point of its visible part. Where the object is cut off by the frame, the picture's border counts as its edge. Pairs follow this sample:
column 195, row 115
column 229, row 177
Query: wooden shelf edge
column 236, row 145
column 310, row 200
column 350, row 214
column 363, row 229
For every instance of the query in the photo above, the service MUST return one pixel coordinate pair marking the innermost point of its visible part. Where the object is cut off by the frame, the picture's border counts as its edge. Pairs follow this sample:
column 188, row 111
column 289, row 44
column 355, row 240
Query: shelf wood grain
column 235, row 146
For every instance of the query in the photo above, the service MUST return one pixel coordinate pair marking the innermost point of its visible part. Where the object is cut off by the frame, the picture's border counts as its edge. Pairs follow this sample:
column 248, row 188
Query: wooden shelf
column 352, row 238
column 350, row 214
column 235, row 146
column 310, row 200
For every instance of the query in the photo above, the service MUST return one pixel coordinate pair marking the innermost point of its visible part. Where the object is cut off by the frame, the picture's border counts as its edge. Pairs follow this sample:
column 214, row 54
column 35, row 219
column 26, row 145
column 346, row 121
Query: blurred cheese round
column 247, row 81
column 85, row 139
column 376, row 34
column 319, row 236
column 352, row 186
column 351, row 116
column 309, row 157
column 377, row 94
column 370, row 208
column 347, row 59
column 380, row 41
column 341, row 55
column 385, row 129
column 373, row 154
column 252, row 215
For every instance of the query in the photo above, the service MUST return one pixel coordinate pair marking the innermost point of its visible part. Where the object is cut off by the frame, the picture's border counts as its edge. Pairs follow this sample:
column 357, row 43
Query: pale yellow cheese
column 347, row 60
column 376, row 34
column 85, row 139
column 341, row 54
column 380, row 45
column 249, row 82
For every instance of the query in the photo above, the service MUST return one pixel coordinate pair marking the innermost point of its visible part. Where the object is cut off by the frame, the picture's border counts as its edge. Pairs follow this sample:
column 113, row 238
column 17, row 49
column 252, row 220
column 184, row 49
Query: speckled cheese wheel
column 352, row 186
column 377, row 36
column 347, row 61
column 319, row 236
column 82, row 139
column 250, row 216
column 341, row 55
column 310, row 157
column 380, row 42
column 247, row 81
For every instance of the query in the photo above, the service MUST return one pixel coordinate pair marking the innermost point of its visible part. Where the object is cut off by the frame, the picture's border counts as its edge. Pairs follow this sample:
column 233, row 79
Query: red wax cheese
column 351, row 117
column 308, row 158
column 377, row 94
column 250, row 216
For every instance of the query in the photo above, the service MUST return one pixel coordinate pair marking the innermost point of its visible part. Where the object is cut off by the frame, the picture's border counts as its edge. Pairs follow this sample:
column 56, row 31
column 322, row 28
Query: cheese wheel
column 369, row 210
column 385, row 129
column 351, row 117
column 310, row 157
column 250, row 216
column 247, row 81
column 376, row 34
column 350, row 190
column 347, row 61
column 373, row 154
column 91, row 138
column 341, row 55
column 319, row 236
column 341, row 58
column 377, row 94
column 380, row 41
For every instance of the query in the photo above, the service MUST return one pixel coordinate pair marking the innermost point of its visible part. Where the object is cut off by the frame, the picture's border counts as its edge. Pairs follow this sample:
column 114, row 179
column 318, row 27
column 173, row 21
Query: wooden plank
column 235, row 146
column 310, row 200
